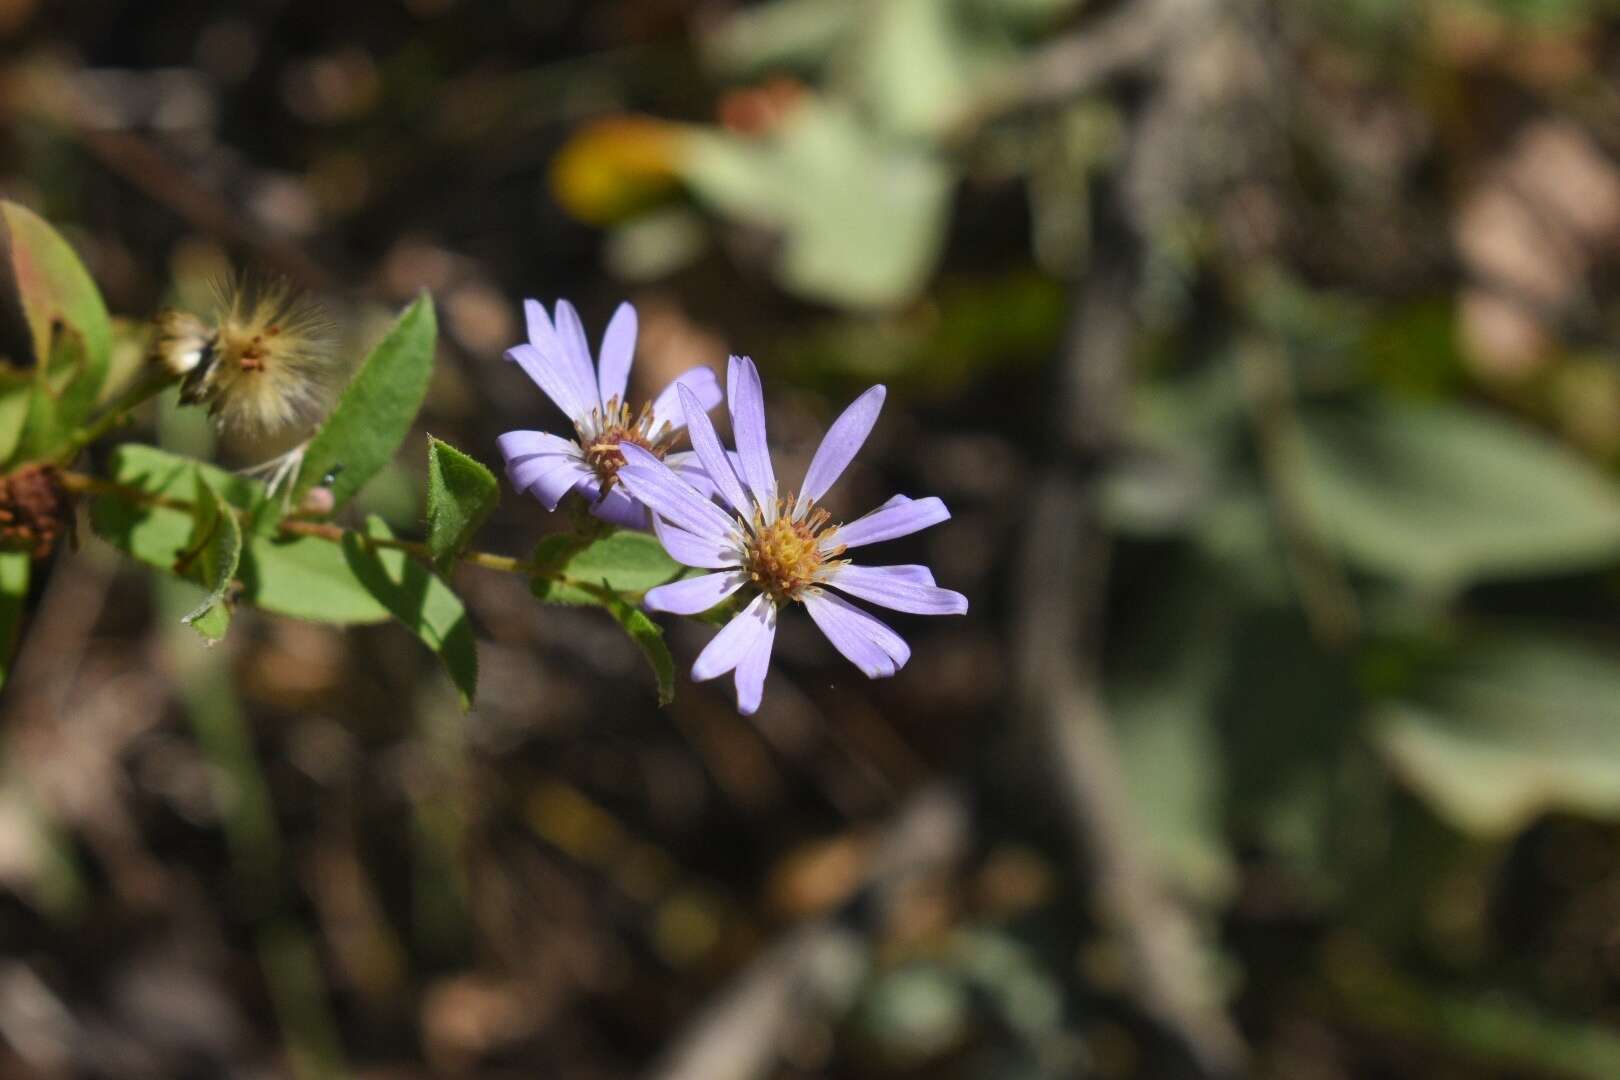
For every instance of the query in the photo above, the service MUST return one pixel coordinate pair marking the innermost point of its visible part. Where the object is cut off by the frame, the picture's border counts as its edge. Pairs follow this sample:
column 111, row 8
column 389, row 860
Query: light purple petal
column 618, row 353
column 667, row 405
column 706, row 444
column 747, row 400
column 920, row 575
column 694, row 595
column 618, row 508
column 728, row 648
column 900, row 516
column 840, row 445
column 690, row 550
column 520, row 444
column 576, row 353
column 865, row 641
column 652, row 482
column 897, row 588
column 750, row 677
column 549, row 376
column 548, row 477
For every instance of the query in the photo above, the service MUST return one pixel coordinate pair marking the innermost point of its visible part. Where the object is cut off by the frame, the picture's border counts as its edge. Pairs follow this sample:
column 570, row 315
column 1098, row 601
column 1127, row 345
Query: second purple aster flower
column 786, row 548
column 558, row 359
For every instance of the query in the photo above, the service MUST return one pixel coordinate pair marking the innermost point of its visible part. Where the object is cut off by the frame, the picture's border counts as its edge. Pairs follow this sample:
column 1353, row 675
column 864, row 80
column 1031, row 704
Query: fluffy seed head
column 262, row 365
column 783, row 556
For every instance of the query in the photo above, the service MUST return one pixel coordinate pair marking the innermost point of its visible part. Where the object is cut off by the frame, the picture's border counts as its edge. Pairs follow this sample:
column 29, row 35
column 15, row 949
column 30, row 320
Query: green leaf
column 1163, row 699
column 911, row 66
column 52, row 287
column 217, row 545
column 649, row 637
column 1442, row 496
column 420, row 599
column 305, row 577
column 375, row 413
column 61, row 397
column 862, row 215
column 1508, row 727
column 14, row 571
column 623, row 562
column 780, row 33
column 461, row 494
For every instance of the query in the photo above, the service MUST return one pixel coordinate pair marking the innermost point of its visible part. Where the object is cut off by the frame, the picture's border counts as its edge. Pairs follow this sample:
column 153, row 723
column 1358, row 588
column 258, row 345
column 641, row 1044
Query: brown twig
column 1062, row 596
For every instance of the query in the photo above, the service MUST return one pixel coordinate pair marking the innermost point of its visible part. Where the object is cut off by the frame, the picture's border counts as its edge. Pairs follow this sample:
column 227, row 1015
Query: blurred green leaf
column 915, row 1012
column 1441, row 496
column 15, row 567
column 780, row 33
column 1163, row 699
column 649, row 638
column 1289, row 724
column 306, row 577
column 1508, row 727
column 461, row 494
column 61, row 397
column 53, row 288
column 375, row 413
column 862, row 216
column 420, row 599
column 217, row 552
column 911, row 65
column 626, row 562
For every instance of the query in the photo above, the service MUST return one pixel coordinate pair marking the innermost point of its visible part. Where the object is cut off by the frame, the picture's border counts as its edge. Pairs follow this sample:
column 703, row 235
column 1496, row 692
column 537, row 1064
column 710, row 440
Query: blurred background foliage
column 1358, row 652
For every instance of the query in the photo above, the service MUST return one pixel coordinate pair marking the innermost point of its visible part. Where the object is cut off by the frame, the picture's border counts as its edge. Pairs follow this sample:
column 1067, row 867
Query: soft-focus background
column 1266, row 355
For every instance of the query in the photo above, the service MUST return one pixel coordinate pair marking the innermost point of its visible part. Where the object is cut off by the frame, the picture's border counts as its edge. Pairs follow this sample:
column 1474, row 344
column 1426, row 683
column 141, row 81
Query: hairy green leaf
column 420, row 599
column 461, row 494
column 305, row 577
column 216, row 553
column 374, row 414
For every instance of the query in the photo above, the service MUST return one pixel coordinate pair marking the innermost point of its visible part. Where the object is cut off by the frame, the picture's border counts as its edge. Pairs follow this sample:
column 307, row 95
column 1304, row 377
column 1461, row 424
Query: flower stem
column 147, row 386
column 80, row 483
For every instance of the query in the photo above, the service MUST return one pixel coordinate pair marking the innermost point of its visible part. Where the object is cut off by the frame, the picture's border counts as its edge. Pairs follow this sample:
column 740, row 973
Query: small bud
column 317, row 502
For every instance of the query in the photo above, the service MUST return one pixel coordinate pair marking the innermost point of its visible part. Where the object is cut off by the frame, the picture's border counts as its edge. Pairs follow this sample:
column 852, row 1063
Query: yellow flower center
column 609, row 428
column 783, row 557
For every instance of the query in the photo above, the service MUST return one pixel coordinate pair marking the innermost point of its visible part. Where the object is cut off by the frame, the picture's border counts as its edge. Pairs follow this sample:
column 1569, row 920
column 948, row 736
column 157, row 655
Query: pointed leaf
column 649, row 638
column 46, row 279
column 217, row 543
column 420, row 599
column 460, row 496
column 375, row 413
column 304, row 577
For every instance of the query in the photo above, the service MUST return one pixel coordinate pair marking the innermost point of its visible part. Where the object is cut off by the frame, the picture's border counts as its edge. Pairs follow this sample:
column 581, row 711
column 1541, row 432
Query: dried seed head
column 263, row 365
column 35, row 512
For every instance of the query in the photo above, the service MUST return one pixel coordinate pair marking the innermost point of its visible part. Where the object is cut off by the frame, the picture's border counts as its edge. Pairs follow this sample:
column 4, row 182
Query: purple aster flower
column 783, row 546
column 558, row 359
